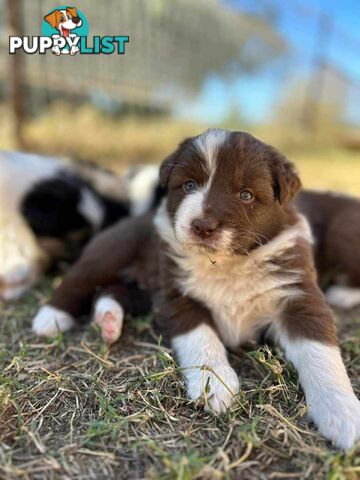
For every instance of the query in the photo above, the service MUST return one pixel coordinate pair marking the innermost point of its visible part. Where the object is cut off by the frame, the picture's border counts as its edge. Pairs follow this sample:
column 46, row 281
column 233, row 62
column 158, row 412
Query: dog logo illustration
column 67, row 21
column 64, row 31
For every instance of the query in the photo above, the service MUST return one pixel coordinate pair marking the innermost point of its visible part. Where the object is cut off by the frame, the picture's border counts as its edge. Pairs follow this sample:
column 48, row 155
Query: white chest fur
column 243, row 293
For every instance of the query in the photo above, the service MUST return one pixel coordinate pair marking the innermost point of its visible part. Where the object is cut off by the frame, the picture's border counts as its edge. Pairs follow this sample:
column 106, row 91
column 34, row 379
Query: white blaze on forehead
column 209, row 144
column 64, row 13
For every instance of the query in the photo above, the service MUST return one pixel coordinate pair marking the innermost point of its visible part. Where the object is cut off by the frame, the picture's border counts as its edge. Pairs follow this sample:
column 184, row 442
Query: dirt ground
column 70, row 408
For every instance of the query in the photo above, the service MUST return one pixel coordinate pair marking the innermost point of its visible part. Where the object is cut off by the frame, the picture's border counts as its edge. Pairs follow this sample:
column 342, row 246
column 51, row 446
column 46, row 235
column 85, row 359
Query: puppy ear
column 51, row 18
column 166, row 168
column 72, row 11
column 170, row 162
column 286, row 181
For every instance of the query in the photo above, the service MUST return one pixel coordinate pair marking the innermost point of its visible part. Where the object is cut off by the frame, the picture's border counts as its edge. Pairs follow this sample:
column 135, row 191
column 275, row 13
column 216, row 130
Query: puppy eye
column 62, row 19
column 189, row 186
column 246, row 196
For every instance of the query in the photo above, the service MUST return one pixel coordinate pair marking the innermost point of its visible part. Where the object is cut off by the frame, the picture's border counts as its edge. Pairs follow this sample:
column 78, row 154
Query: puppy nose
column 204, row 227
column 76, row 19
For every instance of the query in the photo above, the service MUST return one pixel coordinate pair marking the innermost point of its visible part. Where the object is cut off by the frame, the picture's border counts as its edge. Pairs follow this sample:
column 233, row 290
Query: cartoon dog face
column 64, row 20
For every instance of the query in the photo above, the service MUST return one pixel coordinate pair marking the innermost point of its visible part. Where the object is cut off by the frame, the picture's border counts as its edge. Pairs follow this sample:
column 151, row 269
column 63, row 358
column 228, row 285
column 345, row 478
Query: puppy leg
column 307, row 334
column 343, row 297
column 111, row 305
column 21, row 257
column 201, row 355
column 99, row 265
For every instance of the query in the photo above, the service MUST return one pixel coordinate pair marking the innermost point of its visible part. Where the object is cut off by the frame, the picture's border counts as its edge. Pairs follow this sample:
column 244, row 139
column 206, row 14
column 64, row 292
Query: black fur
column 50, row 207
column 114, row 210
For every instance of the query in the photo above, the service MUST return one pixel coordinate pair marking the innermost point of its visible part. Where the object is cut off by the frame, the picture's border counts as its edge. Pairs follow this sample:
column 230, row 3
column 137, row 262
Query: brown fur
column 335, row 221
column 308, row 315
column 131, row 251
column 54, row 18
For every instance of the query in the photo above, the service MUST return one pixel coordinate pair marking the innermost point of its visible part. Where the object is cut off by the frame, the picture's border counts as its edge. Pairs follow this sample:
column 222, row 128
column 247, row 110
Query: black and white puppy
column 50, row 208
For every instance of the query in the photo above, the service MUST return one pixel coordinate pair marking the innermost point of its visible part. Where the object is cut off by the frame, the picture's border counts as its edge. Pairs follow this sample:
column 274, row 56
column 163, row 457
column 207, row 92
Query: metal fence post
column 16, row 80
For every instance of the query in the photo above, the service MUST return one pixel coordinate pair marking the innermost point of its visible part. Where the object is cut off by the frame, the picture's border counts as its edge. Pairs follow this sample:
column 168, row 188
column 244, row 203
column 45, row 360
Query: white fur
column 189, row 209
column 16, row 281
column 18, row 172
column 68, row 23
column 242, row 292
column 343, row 297
column 141, row 187
column 192, row 207
column 90, row 207
column 109, row 316
column 201, row 347
column 49, row 321
column 21, row 256
column 209, row 144
column 332, row 403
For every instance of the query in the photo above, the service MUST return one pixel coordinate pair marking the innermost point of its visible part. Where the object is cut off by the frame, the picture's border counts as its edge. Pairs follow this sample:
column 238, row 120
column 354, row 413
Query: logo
column 65, row 32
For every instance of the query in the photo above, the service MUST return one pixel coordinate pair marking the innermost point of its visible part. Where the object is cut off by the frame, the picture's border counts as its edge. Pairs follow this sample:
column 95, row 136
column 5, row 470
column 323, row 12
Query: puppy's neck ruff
column 243, row 292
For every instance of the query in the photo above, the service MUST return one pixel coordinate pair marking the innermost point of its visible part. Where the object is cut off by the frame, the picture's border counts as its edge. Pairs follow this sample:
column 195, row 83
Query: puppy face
column 64, row 20
column 227, row 191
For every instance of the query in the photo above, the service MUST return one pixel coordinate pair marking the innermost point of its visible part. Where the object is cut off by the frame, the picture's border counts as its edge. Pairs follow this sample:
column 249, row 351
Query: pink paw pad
column 109, row 317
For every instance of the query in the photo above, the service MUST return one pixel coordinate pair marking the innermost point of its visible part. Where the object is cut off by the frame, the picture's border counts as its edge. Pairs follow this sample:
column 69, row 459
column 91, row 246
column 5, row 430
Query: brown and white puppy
column 226, row 257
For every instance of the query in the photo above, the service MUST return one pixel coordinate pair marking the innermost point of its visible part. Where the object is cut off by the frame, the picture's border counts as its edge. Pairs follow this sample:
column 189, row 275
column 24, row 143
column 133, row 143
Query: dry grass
column 72, row 409
column 85, row 133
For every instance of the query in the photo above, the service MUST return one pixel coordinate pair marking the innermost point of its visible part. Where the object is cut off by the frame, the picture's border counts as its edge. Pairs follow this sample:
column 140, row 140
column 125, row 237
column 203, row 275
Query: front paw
column 337, row 416
column 217, row 385
column 49, row 321
column 15, row 282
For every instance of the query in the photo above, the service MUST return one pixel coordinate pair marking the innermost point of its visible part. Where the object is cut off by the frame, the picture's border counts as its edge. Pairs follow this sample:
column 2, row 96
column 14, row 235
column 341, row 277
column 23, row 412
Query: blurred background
column 286, row 71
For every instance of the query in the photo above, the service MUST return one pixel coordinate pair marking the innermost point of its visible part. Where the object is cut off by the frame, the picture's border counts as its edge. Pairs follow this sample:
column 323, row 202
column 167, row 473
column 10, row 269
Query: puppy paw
column 14, row 283
column 109, row 316
column 49, row 321
column 8, row 294
column 338, row 418
column 343, row 297
column 217, row 387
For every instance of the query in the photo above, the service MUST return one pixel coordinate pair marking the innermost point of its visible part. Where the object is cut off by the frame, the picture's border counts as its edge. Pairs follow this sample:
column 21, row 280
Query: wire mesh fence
column 173, row 46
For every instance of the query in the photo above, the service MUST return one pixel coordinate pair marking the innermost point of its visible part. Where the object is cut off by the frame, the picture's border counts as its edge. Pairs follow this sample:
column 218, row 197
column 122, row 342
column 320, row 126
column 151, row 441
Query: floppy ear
column 51, row 18
column 72, row 11
column 166, row 168
column 286, row 182
column 170, row 162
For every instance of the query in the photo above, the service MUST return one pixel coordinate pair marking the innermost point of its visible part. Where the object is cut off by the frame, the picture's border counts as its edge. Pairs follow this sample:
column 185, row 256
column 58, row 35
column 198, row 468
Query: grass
column 70, row 408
